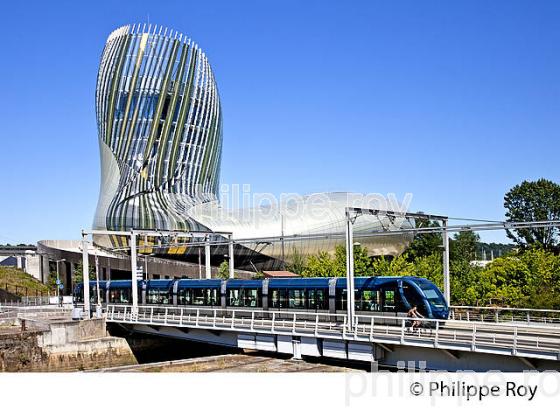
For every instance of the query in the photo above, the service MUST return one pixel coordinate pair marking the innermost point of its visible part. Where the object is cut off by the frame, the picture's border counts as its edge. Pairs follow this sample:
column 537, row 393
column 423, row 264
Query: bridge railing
column 507, row 338
column 504, row 314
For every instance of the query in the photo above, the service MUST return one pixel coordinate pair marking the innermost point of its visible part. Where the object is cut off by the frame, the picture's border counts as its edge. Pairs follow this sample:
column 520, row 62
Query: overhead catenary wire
column 340, row 235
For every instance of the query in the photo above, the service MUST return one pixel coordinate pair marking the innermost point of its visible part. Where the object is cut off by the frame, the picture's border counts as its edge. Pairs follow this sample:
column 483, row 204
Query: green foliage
column 321, row 265
column 534, row 201
column 463, row 246
column 425, row 244
column 78, row 276
column 362, row 262
column 11, row 278
column 391, row 267
column 297, row 262
column 530, row 279
column 429, row 267
column 223, row 270
column 259, row 275
column 327, row 265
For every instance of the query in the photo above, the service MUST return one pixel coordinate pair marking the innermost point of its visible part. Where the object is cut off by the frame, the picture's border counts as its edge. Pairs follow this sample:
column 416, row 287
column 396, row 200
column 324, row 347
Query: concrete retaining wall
column 66, row 346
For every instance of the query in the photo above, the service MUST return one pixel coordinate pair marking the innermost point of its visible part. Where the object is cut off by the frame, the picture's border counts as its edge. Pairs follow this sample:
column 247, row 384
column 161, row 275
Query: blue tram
column 385, row 295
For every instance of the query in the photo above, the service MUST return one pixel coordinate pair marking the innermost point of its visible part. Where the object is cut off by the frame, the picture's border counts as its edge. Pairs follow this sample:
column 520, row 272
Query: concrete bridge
column 455, row 344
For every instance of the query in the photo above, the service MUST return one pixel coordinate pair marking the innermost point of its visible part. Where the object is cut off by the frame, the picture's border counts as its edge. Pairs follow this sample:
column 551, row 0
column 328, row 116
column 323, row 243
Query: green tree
column 424, row 244
column 223, row 270
column 362, row 262
column 78, row 275
column 321, row 265
column 326, row 265
column 398, row 266
column 530, row 279
column 297, row 262
column 534, row 201
column 463, row 246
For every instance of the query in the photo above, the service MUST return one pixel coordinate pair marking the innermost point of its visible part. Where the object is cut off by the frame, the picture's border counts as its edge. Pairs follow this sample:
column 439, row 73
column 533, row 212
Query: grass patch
column 18, row 282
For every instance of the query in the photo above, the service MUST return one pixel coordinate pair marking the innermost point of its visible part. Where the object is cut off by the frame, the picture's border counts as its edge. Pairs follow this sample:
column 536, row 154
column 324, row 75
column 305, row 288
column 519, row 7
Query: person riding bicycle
column 413, row 313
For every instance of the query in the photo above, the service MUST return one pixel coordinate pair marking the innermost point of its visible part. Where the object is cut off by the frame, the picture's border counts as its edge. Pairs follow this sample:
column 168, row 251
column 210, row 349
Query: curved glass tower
column 160, row 130
column 160, row 139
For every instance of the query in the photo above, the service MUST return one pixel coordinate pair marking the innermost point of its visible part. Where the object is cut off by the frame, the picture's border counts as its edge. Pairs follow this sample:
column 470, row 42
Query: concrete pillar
column 45, row 269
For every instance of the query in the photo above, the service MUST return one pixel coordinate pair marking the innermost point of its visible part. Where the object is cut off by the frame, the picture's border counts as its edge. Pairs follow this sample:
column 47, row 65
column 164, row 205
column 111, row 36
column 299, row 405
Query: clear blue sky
column 454, row 102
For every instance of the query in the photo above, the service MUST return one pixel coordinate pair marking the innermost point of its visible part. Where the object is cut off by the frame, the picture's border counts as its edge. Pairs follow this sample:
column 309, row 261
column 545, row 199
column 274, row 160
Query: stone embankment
column 29, row 342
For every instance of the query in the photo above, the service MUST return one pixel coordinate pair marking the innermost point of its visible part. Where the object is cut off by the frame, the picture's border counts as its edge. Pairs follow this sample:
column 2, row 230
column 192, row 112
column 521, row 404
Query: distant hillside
column 484, row 251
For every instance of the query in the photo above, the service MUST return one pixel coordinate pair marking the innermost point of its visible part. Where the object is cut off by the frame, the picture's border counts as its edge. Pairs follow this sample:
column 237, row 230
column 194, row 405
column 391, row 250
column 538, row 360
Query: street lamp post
column 199, row 264
column 145, row 267
column 98, row 309
column 58, row 283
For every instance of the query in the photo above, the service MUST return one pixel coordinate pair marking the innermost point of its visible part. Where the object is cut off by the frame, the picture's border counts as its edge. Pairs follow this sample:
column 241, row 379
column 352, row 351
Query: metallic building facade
column 160, row 130
column 159, row 121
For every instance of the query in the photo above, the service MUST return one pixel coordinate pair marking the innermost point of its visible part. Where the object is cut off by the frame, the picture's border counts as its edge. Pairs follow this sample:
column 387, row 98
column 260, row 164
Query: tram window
column 184, row 297
column 119, row 296
column 316, row 299
column 211, row 297
column 93, row 298
column 322, row 299
column 278, row 298
column 251, row 297
column 341, row 299
column 233, row 297
column 157, row 297
column 243, row 297
column 296, row 299
column 389, row 298
column 414, row 298
column 198, row 296
column 367, row 301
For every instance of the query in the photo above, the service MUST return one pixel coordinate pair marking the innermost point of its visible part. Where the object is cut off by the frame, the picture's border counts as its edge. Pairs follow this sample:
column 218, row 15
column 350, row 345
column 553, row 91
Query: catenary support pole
column 446, row 279
column 134, row 275
column 349, row 271
column 231, row 261
column 85, row 273
column 207, row 259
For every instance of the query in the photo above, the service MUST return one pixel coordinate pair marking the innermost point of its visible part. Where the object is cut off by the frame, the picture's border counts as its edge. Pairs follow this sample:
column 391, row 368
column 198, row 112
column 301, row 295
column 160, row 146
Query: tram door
column 413, row 298
column 390, row 298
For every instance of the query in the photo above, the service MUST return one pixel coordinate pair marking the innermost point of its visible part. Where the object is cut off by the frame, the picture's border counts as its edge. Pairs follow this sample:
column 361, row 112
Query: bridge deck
column 517, row 339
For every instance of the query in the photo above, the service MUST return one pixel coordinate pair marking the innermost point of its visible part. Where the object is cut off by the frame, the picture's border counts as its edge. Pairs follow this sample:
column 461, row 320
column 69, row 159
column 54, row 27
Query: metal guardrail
column 33, row 311
column 27, row 301
column 498, row 338
column 22, row 290
column 504, row 315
